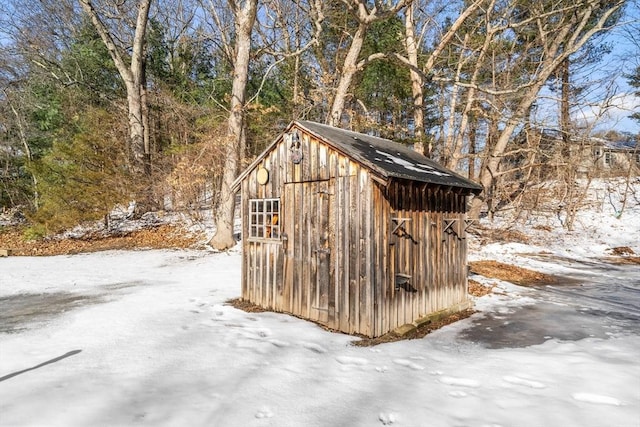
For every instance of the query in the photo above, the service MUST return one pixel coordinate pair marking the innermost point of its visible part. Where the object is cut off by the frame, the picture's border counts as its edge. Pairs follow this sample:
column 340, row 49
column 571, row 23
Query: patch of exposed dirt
column 419, row 332
column 511, row 273
column 164, row 236
column 625, row 260
column 622, row 250
column 623, row 255
column 246, row 306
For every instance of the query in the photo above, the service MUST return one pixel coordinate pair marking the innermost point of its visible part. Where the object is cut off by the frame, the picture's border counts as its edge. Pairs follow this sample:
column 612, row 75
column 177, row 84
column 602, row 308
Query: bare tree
column 244, row 17
column 365, row 14
column 549, row 34
column 131, row 69
column 421, row 72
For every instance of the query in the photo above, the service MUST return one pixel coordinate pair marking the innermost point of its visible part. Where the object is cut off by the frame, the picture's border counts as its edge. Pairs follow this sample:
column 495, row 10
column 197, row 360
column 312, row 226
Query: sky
column 620, row 62
column 608, row 100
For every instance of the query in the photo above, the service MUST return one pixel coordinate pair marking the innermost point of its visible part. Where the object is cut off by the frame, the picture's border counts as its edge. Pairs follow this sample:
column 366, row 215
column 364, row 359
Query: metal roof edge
column 380, row 173
column 469, row 184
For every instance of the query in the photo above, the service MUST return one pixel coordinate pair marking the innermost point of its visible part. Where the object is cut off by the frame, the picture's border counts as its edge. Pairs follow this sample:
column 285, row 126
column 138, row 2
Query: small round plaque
column 263, row 176
column 296, row 156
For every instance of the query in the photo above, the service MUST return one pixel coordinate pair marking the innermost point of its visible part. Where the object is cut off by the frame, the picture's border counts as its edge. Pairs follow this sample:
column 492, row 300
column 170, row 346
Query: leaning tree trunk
column 491, row 168
column 349, row 69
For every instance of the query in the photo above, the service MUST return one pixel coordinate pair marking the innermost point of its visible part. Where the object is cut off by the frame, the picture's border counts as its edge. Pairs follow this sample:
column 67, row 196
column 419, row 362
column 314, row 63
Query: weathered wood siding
column 420, row 251
column 337, row 260
column 322, row 267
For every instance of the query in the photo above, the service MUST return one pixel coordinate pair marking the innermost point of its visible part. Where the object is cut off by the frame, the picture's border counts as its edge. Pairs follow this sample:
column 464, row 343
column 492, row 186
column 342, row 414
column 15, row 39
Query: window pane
column 264, row 218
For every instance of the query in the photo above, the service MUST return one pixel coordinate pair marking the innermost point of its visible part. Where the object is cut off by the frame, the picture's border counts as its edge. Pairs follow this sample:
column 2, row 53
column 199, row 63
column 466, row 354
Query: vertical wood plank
column 385, row 277
column 289, row 262
column 345, row 313
column 333, row 254
column 373, row 264
column 366, row 269
column 322, row 274
column 421, row 252
column 298, row 285
column 244, row 273
column 323, row 164
column 310, row 196
column 354, row 252
column 393, row 300
column 314, row 173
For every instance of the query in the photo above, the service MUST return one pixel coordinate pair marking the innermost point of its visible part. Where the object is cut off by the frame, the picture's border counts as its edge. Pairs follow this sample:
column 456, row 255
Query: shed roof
column 384, row 157
column 388, row 158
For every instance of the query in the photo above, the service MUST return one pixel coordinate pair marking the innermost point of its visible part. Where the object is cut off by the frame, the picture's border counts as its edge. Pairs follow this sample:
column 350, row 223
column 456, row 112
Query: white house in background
column 615, row 156
column 592, row 156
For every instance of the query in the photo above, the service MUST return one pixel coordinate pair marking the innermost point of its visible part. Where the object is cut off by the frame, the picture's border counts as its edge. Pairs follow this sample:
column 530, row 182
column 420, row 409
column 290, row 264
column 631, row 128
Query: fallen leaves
column 477, row 289
column 164, row 236
column 510, row 273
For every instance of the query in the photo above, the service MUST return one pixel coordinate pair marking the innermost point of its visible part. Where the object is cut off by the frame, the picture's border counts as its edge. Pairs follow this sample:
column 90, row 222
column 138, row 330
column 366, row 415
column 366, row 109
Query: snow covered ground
column 124, row 338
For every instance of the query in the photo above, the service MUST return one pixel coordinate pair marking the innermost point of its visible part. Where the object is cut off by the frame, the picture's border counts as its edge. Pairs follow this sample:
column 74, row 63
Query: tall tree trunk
column 416, row 79
column 235, row 141
column 366, row 13
column 565, row 119
column 132, row 71
column 473, row 133
column 349, row 69
column 491, row 166
column 458, row 142
column 27, row 149
column 136, row 126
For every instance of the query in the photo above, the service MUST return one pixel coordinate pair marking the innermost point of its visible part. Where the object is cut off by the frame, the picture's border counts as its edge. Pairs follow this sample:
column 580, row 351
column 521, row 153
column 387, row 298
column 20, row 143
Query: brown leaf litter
column 511, row 273
column 165, row 236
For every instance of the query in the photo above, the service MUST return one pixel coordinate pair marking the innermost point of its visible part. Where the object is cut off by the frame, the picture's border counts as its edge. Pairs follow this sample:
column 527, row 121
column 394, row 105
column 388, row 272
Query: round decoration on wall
column 296, row 156
column 263, row 176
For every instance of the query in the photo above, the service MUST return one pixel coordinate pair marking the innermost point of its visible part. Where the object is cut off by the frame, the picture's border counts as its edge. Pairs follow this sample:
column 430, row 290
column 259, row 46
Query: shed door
column 308, row 278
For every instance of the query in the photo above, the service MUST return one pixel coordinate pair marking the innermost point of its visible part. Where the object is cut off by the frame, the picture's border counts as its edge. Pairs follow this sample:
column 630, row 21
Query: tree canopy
column 105, row 102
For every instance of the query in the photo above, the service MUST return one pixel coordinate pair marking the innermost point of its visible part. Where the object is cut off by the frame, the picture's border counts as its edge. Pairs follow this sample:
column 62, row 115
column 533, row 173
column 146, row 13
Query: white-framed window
column 607, row 158
column 264, row 218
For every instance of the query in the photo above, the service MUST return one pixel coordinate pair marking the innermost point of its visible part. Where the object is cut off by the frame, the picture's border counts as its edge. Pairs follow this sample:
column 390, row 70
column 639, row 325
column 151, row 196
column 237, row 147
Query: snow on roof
column 388, row 158
column 620, row 145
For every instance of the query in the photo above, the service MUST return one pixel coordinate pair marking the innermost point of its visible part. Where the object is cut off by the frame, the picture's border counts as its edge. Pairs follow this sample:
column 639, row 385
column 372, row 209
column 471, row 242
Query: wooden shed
column 352, row 231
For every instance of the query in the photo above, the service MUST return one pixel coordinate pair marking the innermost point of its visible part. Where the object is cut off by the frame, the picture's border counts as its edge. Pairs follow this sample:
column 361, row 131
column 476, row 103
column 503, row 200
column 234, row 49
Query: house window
column 607, row 158
column 264, row 218
column 638, row 158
